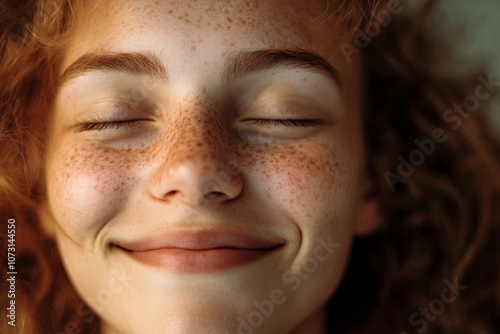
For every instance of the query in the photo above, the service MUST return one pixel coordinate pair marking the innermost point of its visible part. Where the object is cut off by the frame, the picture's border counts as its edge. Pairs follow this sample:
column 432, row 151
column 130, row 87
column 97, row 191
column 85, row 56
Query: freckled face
column 274, row 153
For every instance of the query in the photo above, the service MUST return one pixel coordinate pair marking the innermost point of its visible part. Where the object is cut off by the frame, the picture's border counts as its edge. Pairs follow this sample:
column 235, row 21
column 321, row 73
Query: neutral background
column 474, row 27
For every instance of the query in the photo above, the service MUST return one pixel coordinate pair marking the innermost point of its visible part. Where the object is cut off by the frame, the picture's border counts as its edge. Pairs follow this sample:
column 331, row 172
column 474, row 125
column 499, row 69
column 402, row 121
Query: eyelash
column 109, row 125
column 286, row 122
column 269, row 122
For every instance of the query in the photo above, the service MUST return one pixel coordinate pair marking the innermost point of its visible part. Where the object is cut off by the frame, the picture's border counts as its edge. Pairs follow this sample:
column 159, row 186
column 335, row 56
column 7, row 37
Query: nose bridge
column 196, row 152
column 197, row 138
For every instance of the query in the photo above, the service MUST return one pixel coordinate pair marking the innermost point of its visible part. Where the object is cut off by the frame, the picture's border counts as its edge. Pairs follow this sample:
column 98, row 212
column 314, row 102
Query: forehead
column 190, row 25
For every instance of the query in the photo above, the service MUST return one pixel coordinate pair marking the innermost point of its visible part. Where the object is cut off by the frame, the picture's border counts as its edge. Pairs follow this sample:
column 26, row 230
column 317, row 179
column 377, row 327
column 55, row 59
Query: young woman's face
column 205, row 171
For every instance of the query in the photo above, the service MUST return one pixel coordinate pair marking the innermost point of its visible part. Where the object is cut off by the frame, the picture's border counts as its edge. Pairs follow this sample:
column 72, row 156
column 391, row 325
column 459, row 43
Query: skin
column 195, row 165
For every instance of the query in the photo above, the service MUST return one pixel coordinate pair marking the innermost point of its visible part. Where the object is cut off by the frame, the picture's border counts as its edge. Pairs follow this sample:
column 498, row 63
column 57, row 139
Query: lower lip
column 187, row 261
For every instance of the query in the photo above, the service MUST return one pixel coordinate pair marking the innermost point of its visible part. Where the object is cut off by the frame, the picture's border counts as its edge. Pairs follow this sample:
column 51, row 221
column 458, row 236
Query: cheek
column 87, row 185
column 312, row 182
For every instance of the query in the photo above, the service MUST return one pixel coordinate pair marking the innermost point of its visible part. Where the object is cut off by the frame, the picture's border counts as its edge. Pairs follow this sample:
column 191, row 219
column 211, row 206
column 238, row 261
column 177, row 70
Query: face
column 205, row 167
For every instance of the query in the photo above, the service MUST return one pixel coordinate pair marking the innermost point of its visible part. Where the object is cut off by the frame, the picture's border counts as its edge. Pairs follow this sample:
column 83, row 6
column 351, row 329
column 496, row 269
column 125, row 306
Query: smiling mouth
column 189, row 261
column 190, row 252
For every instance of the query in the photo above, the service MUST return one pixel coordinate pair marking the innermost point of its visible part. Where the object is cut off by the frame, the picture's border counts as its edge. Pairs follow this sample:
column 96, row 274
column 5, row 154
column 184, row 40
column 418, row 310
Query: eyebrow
column 236, row 64
column 242, row 63
column 136, row 64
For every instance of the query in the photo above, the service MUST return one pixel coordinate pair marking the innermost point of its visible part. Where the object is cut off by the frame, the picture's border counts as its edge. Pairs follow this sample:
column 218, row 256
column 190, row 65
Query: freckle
column 170, row 11
column 229, row 20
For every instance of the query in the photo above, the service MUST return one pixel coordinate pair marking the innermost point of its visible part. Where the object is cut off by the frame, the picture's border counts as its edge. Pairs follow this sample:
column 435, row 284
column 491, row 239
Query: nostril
column 191, row 184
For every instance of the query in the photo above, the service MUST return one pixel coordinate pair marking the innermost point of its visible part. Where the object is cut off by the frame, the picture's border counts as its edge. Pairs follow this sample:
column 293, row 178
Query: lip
column 207, row 251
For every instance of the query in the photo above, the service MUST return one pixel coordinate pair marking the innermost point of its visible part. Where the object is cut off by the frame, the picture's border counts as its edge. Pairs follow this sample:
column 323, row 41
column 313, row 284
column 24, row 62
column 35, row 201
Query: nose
column 194, row 165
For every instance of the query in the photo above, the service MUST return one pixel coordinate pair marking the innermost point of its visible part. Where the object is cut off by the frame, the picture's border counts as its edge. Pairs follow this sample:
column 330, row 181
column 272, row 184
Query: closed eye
column 286, row 122
column 114, row 125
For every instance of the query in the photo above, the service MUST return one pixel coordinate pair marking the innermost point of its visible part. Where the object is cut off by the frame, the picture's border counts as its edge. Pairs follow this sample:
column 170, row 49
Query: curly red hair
column 442, row 223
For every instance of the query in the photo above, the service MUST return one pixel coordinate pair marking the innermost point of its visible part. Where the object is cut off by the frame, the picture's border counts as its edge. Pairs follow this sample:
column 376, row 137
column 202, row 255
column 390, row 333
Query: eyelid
column 101, row 126
column 112, row 112
column 286, row 122
column 115, row 108
column 279, row 110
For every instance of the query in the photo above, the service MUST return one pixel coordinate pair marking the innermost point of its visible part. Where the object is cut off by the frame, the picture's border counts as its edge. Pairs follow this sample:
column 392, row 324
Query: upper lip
column 200, row 240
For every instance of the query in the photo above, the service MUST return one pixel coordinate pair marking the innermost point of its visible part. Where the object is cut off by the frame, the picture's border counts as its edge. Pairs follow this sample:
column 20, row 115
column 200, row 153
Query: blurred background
column 474, row 27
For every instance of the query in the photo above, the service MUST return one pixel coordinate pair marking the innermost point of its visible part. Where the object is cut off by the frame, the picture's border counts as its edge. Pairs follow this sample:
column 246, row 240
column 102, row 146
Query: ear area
column 46, row 220
column 368, row 218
